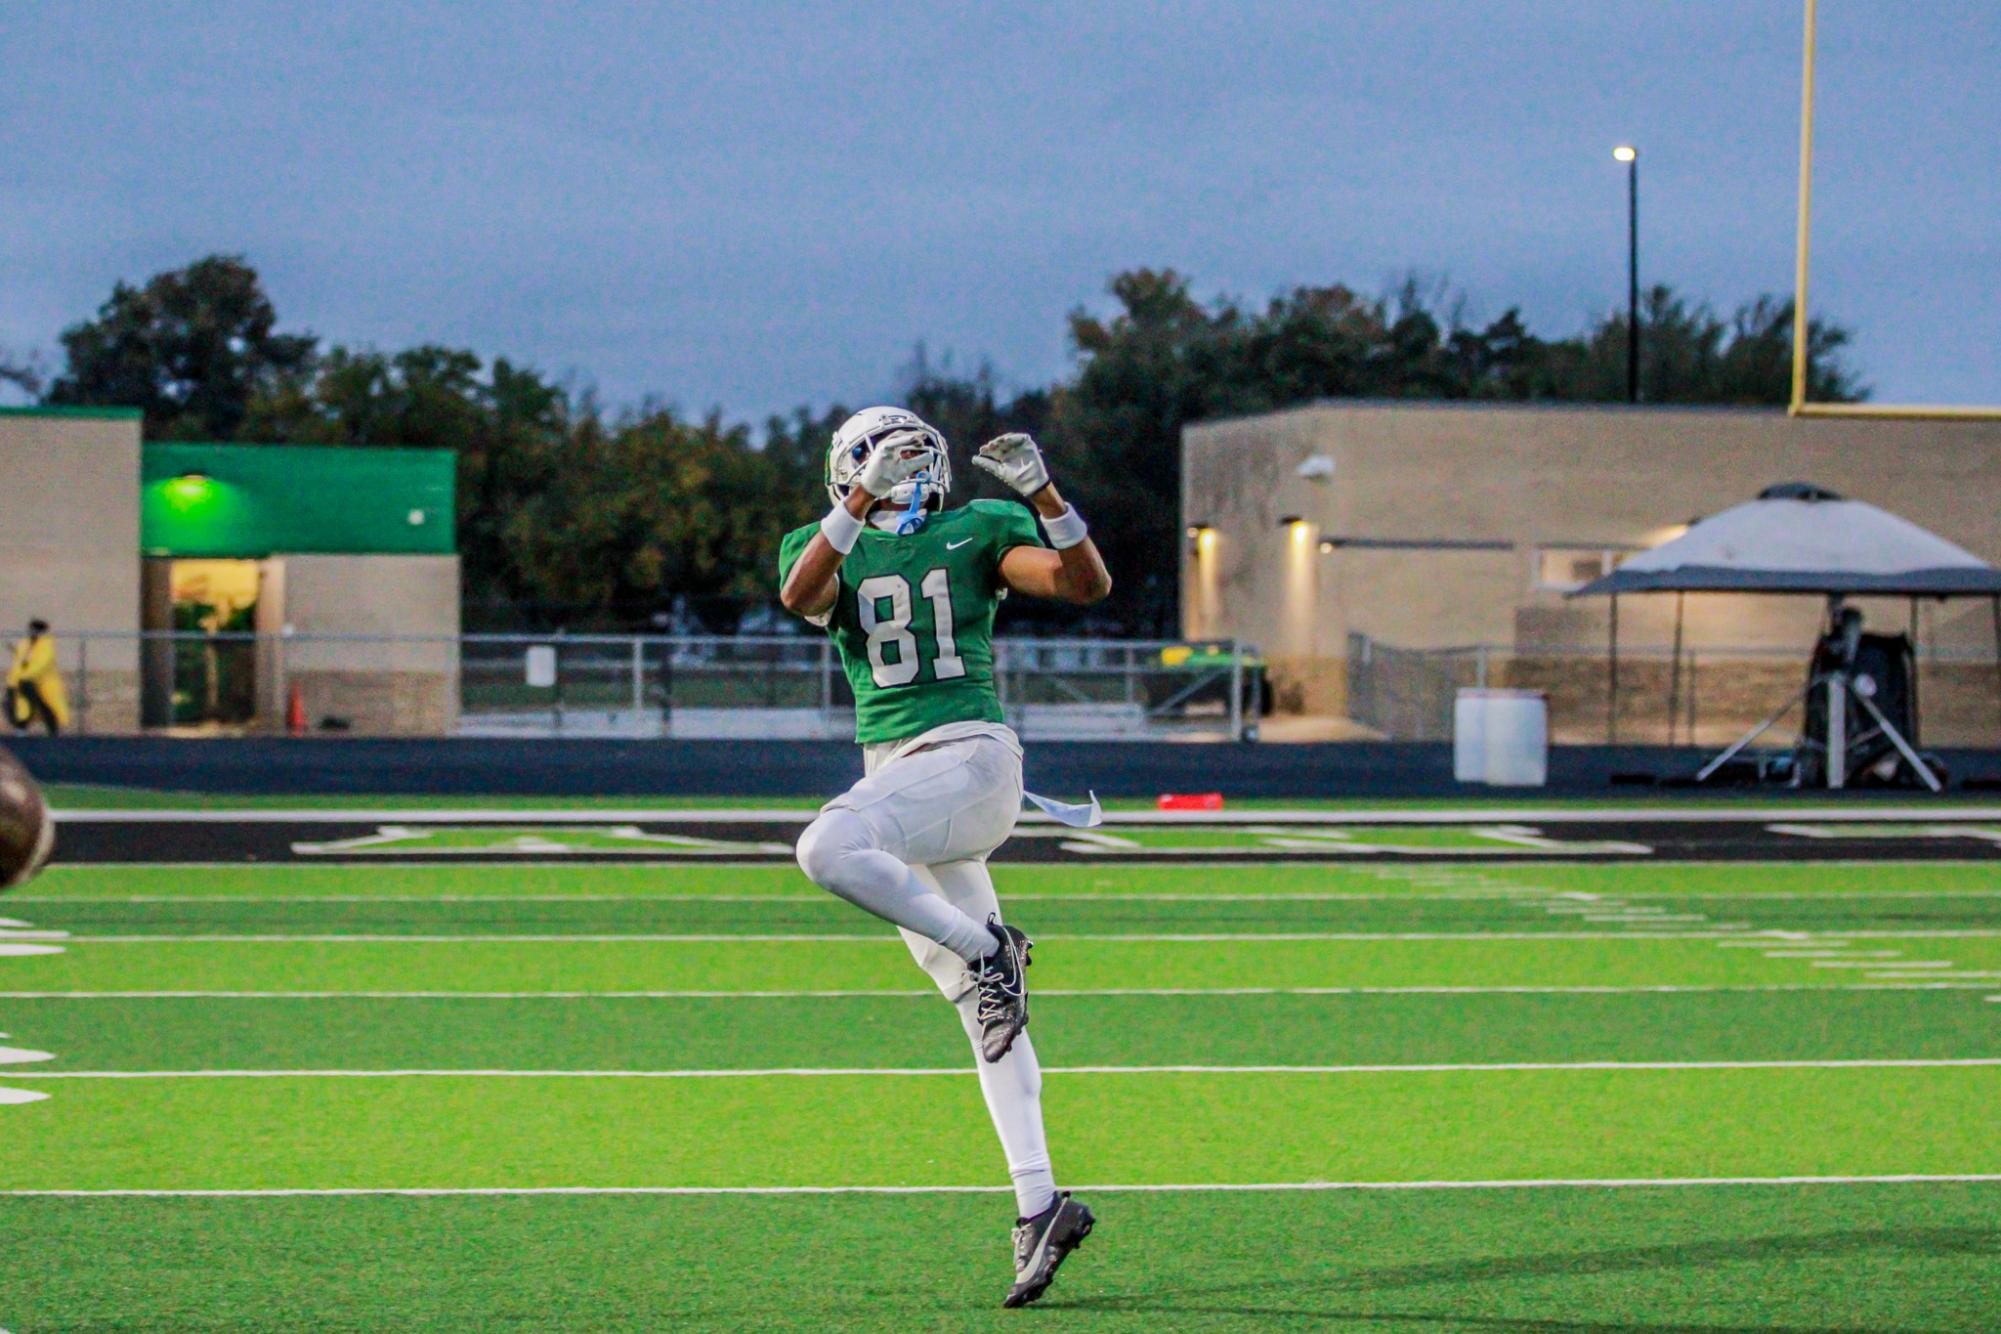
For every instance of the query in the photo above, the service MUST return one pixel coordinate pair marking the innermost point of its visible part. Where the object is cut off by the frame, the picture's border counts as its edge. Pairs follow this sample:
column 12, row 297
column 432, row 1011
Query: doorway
column 206, row 675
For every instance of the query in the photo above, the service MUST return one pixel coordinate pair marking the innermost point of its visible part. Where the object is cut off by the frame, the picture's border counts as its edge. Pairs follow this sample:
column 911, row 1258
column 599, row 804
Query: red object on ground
column 295, row 712
column 1191, row 801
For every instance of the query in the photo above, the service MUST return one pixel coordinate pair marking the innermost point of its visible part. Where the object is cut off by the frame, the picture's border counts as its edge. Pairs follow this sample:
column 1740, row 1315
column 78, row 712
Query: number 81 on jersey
column 883, row 631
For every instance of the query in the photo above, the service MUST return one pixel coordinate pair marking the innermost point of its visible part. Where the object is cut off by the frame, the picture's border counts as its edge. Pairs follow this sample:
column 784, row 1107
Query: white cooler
column 1501, row 737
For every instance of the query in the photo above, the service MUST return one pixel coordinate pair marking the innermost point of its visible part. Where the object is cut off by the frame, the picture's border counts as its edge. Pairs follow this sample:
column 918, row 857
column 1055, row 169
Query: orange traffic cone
column 295, row 712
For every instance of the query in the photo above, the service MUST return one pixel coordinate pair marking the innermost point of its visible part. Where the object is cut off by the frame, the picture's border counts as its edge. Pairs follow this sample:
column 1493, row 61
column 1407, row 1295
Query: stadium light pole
column 1630, row 155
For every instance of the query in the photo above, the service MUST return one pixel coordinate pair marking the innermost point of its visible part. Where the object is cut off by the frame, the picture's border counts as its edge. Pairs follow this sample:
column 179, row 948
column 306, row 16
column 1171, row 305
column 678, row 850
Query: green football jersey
column 914, row 618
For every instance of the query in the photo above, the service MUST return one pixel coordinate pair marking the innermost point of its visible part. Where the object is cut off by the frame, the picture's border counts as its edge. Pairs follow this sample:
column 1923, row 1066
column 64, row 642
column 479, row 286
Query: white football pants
column 909, row 843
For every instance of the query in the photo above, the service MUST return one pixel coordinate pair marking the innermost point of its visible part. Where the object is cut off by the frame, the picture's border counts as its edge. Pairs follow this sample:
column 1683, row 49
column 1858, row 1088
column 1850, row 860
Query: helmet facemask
column 858, row 437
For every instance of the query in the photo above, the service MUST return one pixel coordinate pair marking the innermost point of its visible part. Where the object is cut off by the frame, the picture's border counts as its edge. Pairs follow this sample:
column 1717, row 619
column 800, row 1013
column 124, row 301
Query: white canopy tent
column 1799, row 538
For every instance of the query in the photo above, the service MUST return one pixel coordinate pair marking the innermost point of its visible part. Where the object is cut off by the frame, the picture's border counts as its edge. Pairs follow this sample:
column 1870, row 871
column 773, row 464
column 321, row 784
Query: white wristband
column 841, row 528
column 1066, row 530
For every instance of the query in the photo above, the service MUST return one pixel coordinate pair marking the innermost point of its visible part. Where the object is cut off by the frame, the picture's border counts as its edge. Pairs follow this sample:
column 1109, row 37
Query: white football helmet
column 858, row 437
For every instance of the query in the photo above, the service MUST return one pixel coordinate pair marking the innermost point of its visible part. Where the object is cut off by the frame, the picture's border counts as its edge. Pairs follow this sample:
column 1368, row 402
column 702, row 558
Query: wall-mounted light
column 1201, row 538
column 1327, row 546
column 188, row 490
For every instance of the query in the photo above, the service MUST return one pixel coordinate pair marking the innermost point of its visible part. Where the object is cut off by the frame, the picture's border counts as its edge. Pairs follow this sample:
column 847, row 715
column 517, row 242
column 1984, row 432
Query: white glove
column 895, row 460
column 1016, row 460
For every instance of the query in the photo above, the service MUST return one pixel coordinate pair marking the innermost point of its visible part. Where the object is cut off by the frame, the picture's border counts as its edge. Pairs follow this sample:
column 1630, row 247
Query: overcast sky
column 761, row 205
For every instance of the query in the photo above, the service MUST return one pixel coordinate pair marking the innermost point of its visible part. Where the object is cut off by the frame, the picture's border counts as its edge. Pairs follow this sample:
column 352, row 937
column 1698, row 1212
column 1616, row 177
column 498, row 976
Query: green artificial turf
column 800, row 907
column 99, row 797
column 1126, row 1128
column 1649, row 880
column 873, row 960
column 663, row 881
column 917, row 1030
column 1714, row 1259
column 1480, row 840
column 91, row 796
column 1875, row 1259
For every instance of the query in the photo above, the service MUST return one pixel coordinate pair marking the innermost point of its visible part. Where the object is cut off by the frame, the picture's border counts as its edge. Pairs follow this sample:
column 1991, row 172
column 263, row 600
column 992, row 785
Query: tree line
column 577, row 515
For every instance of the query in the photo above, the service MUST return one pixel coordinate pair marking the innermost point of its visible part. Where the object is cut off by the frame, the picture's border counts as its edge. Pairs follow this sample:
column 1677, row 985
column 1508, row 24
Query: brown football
column 27, row 834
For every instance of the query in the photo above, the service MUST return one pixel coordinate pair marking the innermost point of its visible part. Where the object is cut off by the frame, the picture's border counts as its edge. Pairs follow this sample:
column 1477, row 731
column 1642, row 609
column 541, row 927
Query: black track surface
column 251, row 840
column 469, row 766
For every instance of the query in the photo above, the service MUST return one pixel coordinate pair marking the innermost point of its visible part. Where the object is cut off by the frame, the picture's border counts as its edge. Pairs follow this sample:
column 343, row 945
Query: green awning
column 247, row 501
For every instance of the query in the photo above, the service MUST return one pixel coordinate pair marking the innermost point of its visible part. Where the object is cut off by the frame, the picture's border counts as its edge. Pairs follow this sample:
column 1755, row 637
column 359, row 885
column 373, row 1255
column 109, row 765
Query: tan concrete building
column 196, row 586
column 69, row 547
column 1356, row 543
column 407, row 681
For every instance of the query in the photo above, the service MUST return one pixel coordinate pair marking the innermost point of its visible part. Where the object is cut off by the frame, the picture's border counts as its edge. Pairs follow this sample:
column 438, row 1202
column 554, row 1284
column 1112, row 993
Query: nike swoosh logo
column 954, row 546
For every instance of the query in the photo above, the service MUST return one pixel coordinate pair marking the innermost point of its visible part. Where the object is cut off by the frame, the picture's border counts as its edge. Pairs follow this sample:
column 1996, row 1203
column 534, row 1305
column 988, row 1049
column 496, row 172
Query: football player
column 908, row 590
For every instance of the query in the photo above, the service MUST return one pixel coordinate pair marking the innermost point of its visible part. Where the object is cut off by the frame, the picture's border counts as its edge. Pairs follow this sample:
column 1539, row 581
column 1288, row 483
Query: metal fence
column 788, row 686
column 1706, row 696
column 793, row 687
column 751, row 686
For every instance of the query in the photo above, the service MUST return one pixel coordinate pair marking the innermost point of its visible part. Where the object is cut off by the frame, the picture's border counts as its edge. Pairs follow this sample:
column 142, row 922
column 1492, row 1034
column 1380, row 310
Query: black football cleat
column 1002, row 980
column 1041, row 1243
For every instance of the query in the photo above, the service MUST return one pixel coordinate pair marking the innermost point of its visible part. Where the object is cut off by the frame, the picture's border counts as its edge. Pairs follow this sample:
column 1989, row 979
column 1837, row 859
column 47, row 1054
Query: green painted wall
column 107, row 414
column 254, row 500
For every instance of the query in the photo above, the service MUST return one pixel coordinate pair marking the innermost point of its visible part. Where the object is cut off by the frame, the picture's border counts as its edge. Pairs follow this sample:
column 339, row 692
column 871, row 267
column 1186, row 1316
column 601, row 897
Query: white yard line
column 1831, row 954
column 857, row 938
column 1311, row 896
column 449, row 898
column 1202, row 1187
column 1405, row 870
column 1815, row 895
column 804, row 814
column 1767, row 935
column 1878, row 965
column 1644, row 919
column 1748, row 939
column 957, row 1072
column 858, row 994
column 1928, row 983
column 1971, row 980
column 1497, row 889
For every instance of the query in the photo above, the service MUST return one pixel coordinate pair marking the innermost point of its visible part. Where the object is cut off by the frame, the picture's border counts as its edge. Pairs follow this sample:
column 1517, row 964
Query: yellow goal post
column 1800, row 407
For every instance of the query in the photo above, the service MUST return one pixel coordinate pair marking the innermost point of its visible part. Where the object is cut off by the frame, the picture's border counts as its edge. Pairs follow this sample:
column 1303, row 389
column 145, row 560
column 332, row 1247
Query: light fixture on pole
column 1630, row 155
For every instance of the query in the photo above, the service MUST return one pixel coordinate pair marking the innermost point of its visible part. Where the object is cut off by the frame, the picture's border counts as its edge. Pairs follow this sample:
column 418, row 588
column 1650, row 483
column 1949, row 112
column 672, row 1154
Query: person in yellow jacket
column 34, row 686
